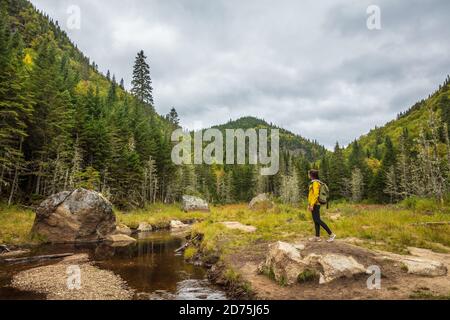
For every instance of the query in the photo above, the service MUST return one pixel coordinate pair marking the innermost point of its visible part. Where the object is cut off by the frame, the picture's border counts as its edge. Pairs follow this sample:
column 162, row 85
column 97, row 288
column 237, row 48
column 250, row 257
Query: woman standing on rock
column 314, row 205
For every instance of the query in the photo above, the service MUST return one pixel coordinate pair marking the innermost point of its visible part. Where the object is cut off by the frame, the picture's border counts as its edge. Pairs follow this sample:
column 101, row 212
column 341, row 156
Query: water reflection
column 149, row 266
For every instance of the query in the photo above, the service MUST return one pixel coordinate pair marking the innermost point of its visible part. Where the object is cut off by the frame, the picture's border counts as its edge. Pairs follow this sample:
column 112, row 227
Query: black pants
column 318, row 222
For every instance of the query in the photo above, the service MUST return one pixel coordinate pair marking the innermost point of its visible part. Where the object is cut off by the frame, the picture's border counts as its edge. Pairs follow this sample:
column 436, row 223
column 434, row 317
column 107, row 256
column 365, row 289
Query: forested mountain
column 310, row 150
column 412, row 120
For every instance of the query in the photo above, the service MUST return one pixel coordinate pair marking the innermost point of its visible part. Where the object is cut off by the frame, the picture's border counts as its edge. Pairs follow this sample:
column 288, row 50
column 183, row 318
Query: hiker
column 318, row 195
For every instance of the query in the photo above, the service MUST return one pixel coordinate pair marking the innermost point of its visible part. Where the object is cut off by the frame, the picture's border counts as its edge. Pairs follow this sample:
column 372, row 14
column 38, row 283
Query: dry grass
column 15, row 225
column 391, row 226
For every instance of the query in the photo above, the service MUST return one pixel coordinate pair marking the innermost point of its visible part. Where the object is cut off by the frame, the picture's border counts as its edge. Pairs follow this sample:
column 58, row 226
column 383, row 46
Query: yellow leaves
column 28, row 59
column 82, row 87
column 374, row 164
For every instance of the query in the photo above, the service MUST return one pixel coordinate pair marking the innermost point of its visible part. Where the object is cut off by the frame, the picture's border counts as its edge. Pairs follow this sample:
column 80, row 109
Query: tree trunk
column 16, row 177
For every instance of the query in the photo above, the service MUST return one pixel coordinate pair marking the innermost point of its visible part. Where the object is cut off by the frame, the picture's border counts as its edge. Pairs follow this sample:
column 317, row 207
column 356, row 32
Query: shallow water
column 150, row 267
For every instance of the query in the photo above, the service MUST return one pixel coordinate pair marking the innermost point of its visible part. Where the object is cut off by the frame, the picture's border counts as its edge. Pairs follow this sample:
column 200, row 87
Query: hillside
column 413, row 120
column 408, row 157
column 294, row 143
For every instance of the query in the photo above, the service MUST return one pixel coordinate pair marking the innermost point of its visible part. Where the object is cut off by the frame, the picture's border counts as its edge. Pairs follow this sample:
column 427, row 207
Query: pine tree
column 339, row 177
column 142, row 83
column 112, row 93
column 173, row 118
column 378, row 183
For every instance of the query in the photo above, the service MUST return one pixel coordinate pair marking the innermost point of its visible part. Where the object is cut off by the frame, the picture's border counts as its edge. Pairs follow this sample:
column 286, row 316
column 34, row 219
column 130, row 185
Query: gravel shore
column 52, row 280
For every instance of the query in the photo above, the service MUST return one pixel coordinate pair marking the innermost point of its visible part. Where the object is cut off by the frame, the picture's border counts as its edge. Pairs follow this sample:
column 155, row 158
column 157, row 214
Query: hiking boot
column 332, row 238
column 315, row 239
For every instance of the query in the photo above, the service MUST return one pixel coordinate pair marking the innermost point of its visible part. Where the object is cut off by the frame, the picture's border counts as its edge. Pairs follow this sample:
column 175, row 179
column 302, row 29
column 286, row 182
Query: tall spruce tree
column 142, row 82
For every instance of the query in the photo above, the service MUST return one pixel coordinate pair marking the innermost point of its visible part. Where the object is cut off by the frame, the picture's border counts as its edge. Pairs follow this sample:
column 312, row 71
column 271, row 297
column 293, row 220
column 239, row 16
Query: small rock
column 233, row 225
column 191, row 203
column 335, row 217
column 144, row 227
column 261, row 202
column 123, row 229
column 176, row 224
column 3, row 248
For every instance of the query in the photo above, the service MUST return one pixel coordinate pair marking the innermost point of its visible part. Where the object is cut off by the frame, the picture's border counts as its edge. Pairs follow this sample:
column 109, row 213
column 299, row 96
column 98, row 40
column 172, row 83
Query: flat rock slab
column 423, row 267
column 233, row 225
column 53, row 280
column 120, row 240
column 337, row 266
column 419, row 264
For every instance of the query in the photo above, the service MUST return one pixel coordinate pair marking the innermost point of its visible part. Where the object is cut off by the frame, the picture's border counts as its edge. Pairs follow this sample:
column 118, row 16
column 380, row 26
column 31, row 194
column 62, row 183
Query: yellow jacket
column 313, row 195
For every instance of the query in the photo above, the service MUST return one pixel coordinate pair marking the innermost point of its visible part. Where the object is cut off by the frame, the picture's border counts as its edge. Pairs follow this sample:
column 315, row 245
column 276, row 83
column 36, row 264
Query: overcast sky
column 312, row 67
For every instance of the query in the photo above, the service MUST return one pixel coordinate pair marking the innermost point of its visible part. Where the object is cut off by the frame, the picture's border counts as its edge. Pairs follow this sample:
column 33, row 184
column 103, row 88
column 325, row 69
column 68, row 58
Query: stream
column 150, row 267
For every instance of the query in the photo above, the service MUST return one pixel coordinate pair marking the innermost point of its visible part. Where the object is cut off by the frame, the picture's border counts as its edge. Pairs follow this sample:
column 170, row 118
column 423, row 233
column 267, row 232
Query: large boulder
column 191, row 203
column 77, row 216
column 261, row 202
column 285, row 263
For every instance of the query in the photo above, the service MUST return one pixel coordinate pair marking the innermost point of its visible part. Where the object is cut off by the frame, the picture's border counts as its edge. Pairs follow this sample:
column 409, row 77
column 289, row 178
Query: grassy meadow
column 386, row 227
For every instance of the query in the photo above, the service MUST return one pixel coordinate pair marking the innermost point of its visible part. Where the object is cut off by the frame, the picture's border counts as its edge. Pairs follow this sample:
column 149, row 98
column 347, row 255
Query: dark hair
column 314, row 174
